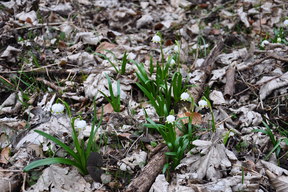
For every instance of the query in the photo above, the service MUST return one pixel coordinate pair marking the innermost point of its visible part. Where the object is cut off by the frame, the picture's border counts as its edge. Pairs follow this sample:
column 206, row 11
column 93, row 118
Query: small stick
column 269, row 56
column 230, row 79
column 49, row 84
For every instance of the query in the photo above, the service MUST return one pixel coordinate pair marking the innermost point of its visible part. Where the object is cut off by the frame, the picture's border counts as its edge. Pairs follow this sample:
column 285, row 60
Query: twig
column 127, row 151
column 37, row 26
column 269, row 56
column 49, row 84
column 24, row 181
column 42, row 70
column 230, row 79
column 10, row 170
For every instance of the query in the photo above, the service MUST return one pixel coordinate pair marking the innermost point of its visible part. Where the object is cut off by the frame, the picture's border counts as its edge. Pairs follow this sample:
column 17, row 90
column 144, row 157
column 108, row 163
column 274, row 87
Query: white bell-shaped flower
column 202, row 104
column 185, row 96
column 170, row 119
column 156, row 39
column 80, row 124
column 57, row 108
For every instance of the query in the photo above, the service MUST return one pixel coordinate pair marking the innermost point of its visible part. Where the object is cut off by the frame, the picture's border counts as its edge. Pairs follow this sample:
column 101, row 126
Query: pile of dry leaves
column 233, row 51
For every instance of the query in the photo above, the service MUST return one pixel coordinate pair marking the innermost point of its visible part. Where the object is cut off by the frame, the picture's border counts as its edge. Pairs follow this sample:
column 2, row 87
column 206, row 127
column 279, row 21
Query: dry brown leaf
column 211, row 160
column 279, row 183
column 29, row 20
column 196, row 117
column 60, row 178
column 273, row 85
column 105, row 46
column 107, row 109
column 124, row 135
column 5, row 155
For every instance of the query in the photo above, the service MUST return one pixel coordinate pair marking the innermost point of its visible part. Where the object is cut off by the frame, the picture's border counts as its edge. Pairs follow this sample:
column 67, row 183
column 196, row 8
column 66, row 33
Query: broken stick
column 230, row 79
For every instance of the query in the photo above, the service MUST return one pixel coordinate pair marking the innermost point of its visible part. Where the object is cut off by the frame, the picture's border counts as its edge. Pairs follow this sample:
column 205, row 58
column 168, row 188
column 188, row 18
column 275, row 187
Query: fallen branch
column 206, row 68
column 244, row 66
column 230, row 79
column 146, row 178
column 45, row 70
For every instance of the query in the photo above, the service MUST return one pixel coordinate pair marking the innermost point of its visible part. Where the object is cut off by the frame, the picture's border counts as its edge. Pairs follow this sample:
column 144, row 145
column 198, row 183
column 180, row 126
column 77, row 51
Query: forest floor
column 143, row 95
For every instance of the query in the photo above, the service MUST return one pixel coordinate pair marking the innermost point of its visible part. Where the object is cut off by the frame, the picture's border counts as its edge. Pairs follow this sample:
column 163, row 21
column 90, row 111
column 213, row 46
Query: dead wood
column 206, row 68
column 50, row 84
column 230, row 79
column 146, row 178
column 244, row 66
column 44, row 70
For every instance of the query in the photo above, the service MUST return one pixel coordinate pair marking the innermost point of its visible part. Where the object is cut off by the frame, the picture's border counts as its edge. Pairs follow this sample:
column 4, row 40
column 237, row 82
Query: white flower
column 176, row 48
column 80, row 124
column 185, row 96
column 57, row 108
column 202, row 103
column 285, row 23
column 156, row 39
column 172, row 62
column 263, row 43
column 279, row 40
column 170, row 119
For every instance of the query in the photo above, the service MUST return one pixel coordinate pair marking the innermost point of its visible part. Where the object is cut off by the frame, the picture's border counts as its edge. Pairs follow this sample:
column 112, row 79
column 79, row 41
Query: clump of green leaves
column 177, row 145
column 83, row 151
column 114, row 100
column 162, row 90
column 120, row 70
column 275, row 142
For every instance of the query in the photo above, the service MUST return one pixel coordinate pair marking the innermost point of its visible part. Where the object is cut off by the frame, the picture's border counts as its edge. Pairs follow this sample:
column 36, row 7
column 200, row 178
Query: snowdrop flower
column 57, row 108
column 279, row 40
column 285, row 23
column 172, row 62
column 170, row 119
column 185, row 96
column 176, row 48
column 80, row 124
column 202, row 103
column 265, row 42
column 156, row 39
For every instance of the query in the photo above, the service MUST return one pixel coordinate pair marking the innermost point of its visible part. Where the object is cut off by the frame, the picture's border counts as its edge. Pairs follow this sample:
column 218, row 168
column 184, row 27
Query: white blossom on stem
column 264, row 43
column 285, row 23
column 202, row 104
column 156, row 39
column 185, row 96
column 170, row 119
column 172, row 62
column 57, row 108
column 176, row 48
column 279, row 40
column 80, row 124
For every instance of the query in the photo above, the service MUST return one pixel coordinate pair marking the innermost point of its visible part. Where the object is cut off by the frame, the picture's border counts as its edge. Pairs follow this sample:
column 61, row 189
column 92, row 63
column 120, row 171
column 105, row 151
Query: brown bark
column 146, row 178
column 230, row 79
column 207, row 67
